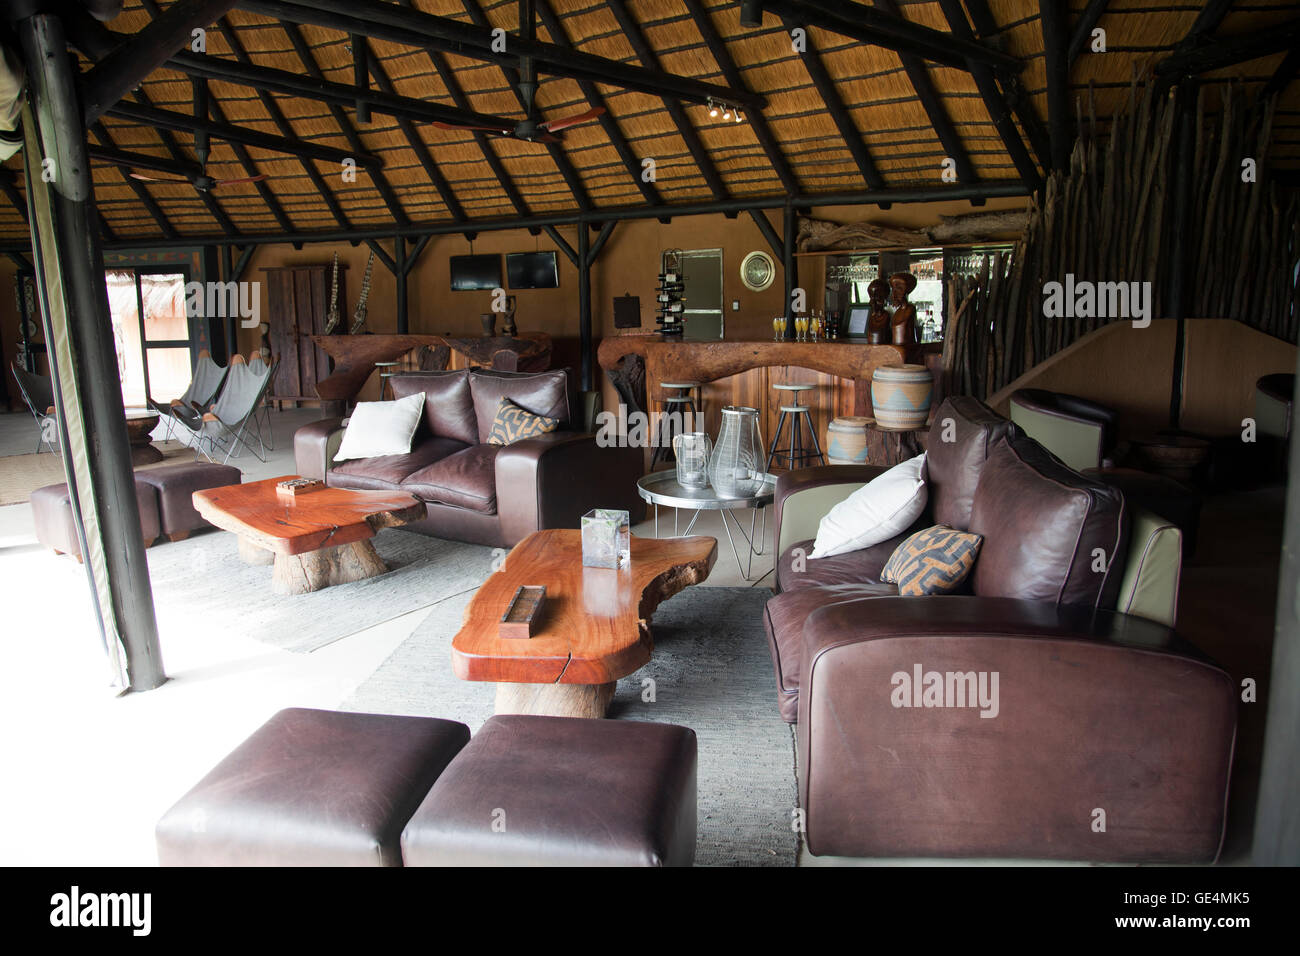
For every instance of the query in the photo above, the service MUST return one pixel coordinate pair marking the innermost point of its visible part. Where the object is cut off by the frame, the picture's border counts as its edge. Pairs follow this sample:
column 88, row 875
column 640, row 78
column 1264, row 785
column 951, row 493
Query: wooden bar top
column 670, row 359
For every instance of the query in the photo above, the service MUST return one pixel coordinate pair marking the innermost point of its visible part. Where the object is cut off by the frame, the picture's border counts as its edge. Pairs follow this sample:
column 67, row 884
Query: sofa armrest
column 803, row 497
column 553, row 480
column 1039, row 716
column 315, row 445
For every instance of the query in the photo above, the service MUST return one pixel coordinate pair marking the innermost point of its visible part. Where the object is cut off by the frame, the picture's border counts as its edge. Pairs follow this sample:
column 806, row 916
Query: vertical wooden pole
column 788, row 266
column 399, row 274
column 584, row 303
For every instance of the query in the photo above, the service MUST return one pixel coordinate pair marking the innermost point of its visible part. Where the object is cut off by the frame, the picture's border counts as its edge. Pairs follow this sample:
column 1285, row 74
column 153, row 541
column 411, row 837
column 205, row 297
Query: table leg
column 555, row 700
column 302, row 573
column 251, row 554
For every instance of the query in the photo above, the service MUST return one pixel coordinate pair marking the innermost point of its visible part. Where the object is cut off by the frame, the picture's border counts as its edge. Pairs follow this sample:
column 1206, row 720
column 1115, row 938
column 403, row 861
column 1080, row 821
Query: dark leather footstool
column 561, row 791
column 175, row 486
column 311, row 788
column 57, row 530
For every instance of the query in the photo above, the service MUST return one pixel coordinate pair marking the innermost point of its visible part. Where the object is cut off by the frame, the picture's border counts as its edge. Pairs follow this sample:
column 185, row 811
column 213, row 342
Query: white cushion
column 876, row 512
column 382, row 428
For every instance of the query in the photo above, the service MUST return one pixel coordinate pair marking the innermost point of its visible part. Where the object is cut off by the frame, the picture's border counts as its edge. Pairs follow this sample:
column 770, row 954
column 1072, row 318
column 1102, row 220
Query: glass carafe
column 736, row 470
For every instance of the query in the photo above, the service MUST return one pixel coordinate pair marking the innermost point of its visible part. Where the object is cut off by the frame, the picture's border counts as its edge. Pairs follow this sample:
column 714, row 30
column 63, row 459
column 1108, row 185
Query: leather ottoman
column 311, row 788
column 57, row 530
column 561, row 791
column 175, row 486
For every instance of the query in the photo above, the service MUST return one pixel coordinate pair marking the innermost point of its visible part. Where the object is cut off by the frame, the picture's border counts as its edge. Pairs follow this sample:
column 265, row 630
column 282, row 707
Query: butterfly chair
column 258, row 366
column 38, row 393
column 198, row 395
column 229, row 426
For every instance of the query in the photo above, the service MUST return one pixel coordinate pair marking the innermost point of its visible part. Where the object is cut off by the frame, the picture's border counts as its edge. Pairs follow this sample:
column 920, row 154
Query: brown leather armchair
column 1049, row 712
column 474, row 491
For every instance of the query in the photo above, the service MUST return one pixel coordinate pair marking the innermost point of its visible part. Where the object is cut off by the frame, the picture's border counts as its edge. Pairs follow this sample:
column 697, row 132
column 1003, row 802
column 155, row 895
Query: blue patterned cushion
column 933, row 561
column 514, row 423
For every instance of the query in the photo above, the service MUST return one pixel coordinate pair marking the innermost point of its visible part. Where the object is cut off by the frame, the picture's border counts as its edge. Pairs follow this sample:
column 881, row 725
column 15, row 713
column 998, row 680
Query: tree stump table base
column 555, row 700
column 304, row 573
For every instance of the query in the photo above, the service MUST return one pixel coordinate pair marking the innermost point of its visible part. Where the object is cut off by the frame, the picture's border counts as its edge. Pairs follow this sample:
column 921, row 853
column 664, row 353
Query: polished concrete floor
column 90, row 772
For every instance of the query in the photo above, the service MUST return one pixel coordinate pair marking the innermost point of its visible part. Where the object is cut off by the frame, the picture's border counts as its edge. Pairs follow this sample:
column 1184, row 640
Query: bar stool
column 682, row 403
column 800, row 417
column 385, row 370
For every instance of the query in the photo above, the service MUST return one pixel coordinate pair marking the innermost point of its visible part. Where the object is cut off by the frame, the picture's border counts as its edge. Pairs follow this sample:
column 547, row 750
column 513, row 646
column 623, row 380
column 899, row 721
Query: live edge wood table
column 314, row 540
column 594, row 628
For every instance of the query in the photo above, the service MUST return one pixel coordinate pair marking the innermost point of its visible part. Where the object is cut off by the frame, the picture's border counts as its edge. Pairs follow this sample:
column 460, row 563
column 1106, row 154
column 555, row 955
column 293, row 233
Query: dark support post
column 788, row 265
column 1179, row 264
column 584, row 305
column 97, row 459
column 1056, row 40
column 1277, row 814
column 361, row 75
column 399, row 276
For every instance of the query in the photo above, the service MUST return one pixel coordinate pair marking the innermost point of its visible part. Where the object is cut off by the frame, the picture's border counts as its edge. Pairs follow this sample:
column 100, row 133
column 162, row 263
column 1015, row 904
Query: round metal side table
column 662, row 488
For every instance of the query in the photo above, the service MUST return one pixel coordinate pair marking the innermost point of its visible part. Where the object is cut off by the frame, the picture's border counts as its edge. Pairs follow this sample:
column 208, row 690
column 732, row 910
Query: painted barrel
column 901, row 396
column 846, row 440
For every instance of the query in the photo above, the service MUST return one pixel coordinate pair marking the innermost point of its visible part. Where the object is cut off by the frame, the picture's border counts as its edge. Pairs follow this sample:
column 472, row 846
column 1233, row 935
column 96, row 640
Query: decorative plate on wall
column 757, row 270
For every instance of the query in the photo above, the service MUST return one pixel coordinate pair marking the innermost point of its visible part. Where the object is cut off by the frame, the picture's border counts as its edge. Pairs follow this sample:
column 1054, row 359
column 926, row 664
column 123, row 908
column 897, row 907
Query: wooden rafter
column 146, row 198
column 919, row 76
column 756, row 121
column 251, row 169
column 9, row 187
column 1056, row 44
column 607, row 122
column 1231, row 50
column 676, row 111
column 558, row 155
column 849, row 133
column 1013, row 91
column 377, row 177
column 286, row 129
column 1087, row 22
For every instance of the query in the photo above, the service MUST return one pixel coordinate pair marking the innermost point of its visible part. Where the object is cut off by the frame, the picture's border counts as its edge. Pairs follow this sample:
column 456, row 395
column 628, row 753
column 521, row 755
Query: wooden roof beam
column 1229, row 51
column 676, row 112
column 412, row 135
column 250, row 167
column 607, row 122
column 1207, row 21
column 853, row 139
column 994, row 101
column 130, row 62
column 1083, row 28
column 919, row 75
column 9, row 186
column 757, row 122
column 286, row 129
column 894, row 32
column 1053, row 19
column 377, row 177
column 1021, row 105
column 184, row 122
column 1286, row 72
column 146, row 198
column 412, row 27
column 558, row 156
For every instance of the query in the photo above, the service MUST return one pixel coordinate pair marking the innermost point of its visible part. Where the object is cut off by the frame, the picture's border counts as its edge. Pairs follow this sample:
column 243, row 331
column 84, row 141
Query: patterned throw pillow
column 933, row 561
column 514, row 423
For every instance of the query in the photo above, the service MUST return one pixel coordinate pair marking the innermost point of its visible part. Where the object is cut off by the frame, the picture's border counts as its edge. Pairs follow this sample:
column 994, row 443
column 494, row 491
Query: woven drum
column 846, row 440
column 901, row 396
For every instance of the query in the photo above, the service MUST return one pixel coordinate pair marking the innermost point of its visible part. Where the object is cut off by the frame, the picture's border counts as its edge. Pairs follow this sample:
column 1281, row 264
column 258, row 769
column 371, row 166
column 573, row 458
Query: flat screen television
column 532, row 270
column 475, row 272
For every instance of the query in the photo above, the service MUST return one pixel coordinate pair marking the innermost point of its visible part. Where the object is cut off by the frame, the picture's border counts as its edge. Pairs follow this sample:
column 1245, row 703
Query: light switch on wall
column 735, row 305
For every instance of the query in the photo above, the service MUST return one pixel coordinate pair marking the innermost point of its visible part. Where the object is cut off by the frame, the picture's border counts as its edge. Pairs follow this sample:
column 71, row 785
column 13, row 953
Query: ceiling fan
column 531, row 129
column 202, row 182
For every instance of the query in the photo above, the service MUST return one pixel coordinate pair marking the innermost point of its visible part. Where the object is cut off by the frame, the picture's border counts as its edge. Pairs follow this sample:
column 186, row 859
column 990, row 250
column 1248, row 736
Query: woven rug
column 20, row 475
column 711, row 672
column 202, row 589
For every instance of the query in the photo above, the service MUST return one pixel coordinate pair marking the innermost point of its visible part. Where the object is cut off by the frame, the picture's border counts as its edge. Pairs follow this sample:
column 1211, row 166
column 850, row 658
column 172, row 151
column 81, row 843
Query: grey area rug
column 201, row 585
column 711, row 672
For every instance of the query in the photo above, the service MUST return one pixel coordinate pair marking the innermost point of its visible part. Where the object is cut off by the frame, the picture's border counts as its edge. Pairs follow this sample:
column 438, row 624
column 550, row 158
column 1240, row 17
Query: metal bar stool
column 677, row 406
column 385, row 370
column 799, row 415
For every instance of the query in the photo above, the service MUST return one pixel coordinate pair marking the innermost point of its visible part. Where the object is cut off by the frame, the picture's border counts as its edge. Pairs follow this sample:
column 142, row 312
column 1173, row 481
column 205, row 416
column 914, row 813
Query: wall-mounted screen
column 532, row 270
column 475, row 272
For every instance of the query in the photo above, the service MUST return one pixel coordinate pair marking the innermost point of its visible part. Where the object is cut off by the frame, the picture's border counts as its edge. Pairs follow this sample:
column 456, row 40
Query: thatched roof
column 876, row 87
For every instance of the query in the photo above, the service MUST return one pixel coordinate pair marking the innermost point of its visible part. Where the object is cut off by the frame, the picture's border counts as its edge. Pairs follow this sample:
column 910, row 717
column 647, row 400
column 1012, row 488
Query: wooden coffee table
column 594, row 629
column 315, row 540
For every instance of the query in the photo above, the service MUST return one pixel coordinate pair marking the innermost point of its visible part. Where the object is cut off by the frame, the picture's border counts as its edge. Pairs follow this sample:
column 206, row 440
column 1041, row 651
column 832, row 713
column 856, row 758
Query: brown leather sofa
column 486, row 494
column 1105, row 737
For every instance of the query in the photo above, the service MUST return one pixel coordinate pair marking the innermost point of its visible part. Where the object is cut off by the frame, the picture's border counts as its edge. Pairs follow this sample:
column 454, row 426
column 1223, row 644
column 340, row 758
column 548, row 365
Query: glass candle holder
column 606, row 538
